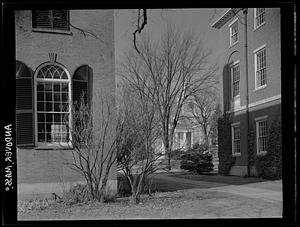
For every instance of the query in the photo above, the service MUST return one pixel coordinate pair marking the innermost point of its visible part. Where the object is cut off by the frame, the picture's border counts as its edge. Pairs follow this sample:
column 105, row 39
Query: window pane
column 65, row 117
column 48, row 87
column 41, row 117
column 57, row 97
column 40, row 106
column 48, row 137
column 49, row 117
column 65, row 87
column 41, row 127
column 57, row 118
column 64, row 75
column 49, row 106
column 41, row 137
column 40, row 86
column 65, row 137
column 40, row 96
column 48, row 96
column 65, row 97
column 65, row 107
column 57, row 107
column 56, row 87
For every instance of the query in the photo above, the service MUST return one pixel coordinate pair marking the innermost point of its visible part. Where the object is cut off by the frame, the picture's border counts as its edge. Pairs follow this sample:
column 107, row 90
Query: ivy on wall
column 251, row 150
column 226, row 160
column 269, row 166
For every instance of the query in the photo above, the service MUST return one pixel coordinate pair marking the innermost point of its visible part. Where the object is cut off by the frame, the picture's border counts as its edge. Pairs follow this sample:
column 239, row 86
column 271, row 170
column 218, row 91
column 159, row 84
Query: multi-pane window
column 51, row 19
column 233, row 33
column 262, row 134
column 259, row 17
column 236, row 139
column 260, row 67
column 235, row 78
column 52, row 104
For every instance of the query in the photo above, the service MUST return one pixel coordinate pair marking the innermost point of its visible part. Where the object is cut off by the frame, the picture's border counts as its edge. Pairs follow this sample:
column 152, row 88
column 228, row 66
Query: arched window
column 52, row 104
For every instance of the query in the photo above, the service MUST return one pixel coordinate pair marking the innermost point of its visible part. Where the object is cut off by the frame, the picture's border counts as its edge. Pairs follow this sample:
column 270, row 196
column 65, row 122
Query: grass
column 191, row 203
column 215, row 178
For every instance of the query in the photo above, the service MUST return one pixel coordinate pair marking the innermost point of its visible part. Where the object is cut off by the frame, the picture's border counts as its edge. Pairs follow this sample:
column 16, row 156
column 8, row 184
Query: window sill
column 256, row 28
column 262, row 153
column 260, row 88
column 54, row 146
column 236, row 155
column 52, row 31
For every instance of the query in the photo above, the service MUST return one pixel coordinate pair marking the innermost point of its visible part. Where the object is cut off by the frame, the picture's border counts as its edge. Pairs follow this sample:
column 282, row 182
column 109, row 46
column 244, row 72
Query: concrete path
column 269, row 190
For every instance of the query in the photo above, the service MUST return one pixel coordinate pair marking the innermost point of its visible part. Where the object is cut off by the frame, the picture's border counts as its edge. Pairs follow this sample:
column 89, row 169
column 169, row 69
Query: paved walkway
column 255, row 190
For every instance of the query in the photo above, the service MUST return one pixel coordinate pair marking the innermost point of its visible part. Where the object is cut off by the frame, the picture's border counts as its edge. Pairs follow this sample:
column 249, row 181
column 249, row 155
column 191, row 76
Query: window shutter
column 81, row 84
column 41, row 19
column 51, row 19
column 24, row 107
column 60, row 19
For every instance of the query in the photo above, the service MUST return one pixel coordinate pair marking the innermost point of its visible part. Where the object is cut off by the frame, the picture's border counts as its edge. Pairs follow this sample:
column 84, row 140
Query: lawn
column 216, row 178
column 190, row 203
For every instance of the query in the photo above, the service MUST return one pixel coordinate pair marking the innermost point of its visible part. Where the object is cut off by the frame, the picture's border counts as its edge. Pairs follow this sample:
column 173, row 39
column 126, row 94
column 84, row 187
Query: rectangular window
column 236, row 139
column 51, row 19
column 260, row 59
column 235, row 79
column 234, row 33
column 262, row 136
column 259, row 17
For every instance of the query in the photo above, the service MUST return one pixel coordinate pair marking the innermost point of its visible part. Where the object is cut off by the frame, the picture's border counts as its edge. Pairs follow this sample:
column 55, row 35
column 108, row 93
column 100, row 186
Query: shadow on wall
column 226, row 87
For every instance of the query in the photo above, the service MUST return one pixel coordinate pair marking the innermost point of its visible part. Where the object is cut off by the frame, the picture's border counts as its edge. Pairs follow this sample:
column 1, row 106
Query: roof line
column 226, row 16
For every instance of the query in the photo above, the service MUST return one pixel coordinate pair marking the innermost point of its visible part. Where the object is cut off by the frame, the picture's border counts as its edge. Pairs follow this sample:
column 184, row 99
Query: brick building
column 250, row 77
column 55, row 62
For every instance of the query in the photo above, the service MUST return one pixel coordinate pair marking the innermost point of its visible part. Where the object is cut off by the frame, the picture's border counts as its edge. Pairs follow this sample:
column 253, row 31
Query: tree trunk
column 135, row 198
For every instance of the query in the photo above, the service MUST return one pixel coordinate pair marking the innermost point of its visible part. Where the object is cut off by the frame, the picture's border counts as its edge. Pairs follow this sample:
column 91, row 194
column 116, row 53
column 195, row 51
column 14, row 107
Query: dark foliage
column 197, row 162
column 226, row 160
column 269, row 166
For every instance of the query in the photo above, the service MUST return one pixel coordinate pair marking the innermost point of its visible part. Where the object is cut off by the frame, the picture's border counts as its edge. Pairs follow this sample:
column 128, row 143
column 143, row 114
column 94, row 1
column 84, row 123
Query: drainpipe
column 245, row 11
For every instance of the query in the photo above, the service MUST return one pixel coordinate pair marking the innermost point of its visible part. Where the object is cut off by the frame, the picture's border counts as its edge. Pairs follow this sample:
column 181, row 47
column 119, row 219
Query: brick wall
column 73, row 50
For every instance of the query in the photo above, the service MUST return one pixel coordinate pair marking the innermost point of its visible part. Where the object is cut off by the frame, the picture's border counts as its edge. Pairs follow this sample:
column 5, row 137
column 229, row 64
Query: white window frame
column 234, row 64
column 230, row 32
column 255, row 52
column 69, row 81
column 233, row 125
column 257, row 121
column 255, row 16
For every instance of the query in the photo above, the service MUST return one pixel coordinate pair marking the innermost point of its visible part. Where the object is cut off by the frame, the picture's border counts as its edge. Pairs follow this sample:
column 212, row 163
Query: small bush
column 197, row 162
column 77, row 194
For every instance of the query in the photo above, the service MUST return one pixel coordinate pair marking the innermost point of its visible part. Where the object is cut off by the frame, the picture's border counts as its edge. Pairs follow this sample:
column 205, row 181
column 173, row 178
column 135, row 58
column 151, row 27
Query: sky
column 199, row 20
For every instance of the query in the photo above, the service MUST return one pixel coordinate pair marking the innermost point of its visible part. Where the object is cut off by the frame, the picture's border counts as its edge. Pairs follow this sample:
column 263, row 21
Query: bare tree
column 137, row 159
column 171, row 69
column 203, row 109
column 93, row 154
